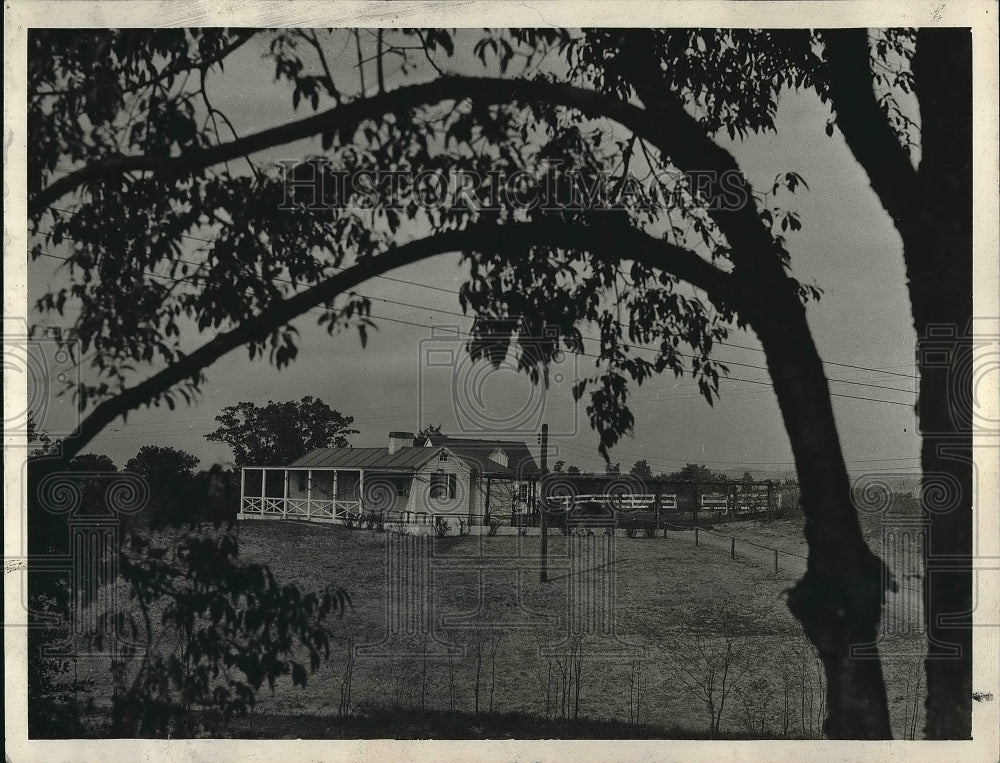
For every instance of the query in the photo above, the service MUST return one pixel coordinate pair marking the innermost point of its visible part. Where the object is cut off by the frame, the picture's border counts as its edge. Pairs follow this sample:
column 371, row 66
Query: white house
column 410, row 480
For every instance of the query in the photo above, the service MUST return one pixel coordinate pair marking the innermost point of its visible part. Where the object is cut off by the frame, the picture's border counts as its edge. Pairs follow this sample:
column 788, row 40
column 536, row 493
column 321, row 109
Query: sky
column 402, row 380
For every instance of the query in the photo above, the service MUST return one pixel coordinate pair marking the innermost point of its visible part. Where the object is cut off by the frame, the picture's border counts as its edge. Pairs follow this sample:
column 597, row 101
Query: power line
column 699, row 460
column 442, row 289
column 586, row 354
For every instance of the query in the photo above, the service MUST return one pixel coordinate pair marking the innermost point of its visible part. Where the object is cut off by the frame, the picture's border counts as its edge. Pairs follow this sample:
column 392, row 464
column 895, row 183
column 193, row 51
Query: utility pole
column 543, row 440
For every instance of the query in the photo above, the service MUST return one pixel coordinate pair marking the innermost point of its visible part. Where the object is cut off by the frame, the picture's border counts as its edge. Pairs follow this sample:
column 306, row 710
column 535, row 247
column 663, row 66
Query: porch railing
column 297, row 508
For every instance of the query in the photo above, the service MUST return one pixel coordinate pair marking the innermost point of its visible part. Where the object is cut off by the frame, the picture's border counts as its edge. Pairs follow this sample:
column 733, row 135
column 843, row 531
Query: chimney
column 399, row 440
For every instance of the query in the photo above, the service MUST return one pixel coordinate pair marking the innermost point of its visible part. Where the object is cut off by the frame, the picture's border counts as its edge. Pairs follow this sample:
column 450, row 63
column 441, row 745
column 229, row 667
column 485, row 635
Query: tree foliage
column 278, row 433
column 168, row 473
column 641, row 469
column 158, row 167
column 223, row 630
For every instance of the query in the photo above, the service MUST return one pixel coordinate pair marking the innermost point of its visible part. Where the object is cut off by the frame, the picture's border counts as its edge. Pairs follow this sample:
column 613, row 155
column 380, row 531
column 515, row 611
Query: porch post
column 309, row 493
column 361, row 491
column 243, row 490
column 284, row 502
column 335, row 471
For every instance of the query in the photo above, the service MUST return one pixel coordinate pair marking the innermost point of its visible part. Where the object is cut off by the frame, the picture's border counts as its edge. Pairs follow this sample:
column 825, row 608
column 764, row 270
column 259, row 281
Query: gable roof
column 519, row 459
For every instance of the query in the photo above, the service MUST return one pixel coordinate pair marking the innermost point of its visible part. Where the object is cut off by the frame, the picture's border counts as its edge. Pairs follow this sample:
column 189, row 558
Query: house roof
column 366, row 458
column 519, row 459
column 476, row 453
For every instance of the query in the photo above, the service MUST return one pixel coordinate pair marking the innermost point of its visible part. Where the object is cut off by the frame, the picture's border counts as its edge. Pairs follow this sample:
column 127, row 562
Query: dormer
column 499, row 456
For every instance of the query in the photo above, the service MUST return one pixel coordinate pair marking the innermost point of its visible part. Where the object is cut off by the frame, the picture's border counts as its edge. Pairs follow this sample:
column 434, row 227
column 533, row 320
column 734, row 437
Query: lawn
column 622, row 642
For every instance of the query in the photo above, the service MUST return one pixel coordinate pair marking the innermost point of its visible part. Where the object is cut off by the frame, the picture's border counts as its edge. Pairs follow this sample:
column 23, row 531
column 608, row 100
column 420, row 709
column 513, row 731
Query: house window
column 303, row 481
column 403, row 486
column 443, row 456
column 523, row 491
column 498, row 456
column 443, row 485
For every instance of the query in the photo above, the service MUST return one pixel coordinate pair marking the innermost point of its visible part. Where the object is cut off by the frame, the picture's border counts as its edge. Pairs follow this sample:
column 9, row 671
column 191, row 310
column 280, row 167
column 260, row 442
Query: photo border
column 980, row 15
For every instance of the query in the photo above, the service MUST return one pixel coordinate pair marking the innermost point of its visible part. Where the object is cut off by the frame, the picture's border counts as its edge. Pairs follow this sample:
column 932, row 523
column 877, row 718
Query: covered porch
column 318, row 495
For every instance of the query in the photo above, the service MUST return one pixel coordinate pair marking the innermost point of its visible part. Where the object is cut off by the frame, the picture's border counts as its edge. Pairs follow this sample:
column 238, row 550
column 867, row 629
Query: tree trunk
column 939, row 271
column 839, row 599
column 932, row 211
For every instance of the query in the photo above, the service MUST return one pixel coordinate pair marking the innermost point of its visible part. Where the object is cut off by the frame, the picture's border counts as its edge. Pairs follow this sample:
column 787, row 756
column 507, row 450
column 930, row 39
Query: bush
column 353, row 519
column 495, row 525
column 239, row 630
column 442, row 528
column 374, row 520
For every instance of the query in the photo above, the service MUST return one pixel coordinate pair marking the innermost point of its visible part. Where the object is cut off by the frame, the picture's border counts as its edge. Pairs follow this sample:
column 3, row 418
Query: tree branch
column 238, row 41
column 872, row 141
column 346, row 118
column 838, row 601
column 610, row 240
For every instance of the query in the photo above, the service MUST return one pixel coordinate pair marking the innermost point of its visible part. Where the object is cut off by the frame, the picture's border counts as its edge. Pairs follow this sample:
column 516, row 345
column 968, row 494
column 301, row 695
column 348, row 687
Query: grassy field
column 673, row 614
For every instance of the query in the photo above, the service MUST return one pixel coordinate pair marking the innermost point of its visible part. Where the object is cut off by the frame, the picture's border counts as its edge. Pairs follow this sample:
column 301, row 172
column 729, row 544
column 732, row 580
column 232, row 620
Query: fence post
column 776, row 560
column 697, row 497
column 732, row 549
column 696, row 535
column 543, row 440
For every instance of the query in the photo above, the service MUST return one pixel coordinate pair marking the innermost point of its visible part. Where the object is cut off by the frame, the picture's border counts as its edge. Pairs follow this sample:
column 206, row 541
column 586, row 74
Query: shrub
column 375, row 521
column 239, row 629
column 352, row 519
column 495, row 525
column 442, row 528
column 650, row 532
column 463, row 527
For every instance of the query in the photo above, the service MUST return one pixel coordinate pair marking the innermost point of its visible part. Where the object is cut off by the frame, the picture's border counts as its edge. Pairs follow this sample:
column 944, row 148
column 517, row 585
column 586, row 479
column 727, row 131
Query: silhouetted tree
column 431, row 430
column 169, row 477
column 278, row 433
column 217, row 491
column 641, row 470
column 696, row 473
column 930, row 203
column 39, row 438
column 550, row 269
